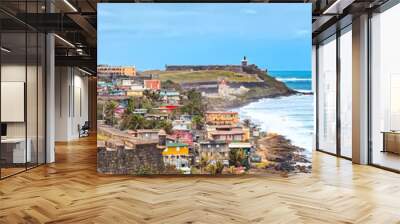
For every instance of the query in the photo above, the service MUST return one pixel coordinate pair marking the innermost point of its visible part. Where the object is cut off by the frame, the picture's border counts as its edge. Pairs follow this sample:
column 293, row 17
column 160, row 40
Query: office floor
column 70, row 191
column 387, row 159
column 10, row 171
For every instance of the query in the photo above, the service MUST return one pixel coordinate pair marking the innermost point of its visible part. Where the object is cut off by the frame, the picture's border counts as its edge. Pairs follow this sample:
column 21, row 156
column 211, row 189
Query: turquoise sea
column 291, row 116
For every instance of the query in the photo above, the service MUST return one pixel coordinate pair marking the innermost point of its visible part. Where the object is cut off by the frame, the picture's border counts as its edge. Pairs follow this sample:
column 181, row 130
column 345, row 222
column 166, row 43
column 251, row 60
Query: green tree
column 164, row 124
column 197, row 122
column 151, row 95
column 137, row 122
column 131, row 106
column 169, row 84
column 132, row 122
column 236, row 157
column 212, row 169
column 109, row 112
column 247, row 123
column 125, row 122
column 203, row 163
column 193, row 105
column 145, row 103
column 219, row 167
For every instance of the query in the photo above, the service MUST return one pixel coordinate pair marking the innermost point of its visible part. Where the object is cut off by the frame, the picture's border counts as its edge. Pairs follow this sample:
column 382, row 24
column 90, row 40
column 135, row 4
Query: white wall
column 71, row 102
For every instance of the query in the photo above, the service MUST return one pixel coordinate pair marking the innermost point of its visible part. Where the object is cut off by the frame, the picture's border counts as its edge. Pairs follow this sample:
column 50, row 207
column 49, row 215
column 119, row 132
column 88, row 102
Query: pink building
column 153, row 84
column 182, row 136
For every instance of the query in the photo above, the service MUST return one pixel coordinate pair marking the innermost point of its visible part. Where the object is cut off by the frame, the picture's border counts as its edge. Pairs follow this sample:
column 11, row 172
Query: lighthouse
column 244, row 61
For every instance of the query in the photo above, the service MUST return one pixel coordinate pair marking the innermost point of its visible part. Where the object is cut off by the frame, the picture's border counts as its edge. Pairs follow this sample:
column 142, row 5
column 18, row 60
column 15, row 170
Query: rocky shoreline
column 226, row 104
column 278, row 154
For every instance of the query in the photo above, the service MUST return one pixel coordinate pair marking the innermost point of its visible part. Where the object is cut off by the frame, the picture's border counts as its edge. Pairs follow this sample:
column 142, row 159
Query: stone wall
column 116, row 158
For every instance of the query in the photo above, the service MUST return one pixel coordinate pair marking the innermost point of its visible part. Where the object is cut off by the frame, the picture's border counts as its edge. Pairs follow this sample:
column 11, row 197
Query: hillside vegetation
column 204, row 76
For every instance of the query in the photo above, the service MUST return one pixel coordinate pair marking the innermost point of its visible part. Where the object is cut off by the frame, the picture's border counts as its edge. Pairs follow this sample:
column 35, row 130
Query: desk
column 391, row 141
column 13, row 150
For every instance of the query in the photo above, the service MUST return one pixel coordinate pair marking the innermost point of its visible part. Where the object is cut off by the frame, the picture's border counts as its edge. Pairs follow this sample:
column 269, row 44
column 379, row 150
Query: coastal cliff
column 225, row 87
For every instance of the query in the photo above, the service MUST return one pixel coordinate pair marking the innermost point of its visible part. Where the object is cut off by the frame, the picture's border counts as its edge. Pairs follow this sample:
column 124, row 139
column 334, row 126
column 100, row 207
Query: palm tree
column 219, row 167
column 197, row 121
column 203, row 163
column 109, row 112
column 236, row 157
column 247, row 123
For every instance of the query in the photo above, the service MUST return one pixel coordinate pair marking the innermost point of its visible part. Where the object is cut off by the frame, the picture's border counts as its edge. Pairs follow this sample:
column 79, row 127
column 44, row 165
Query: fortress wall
column 233, row 68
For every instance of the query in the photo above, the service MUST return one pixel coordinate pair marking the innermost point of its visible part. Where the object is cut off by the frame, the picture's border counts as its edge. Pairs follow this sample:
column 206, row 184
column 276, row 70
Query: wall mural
column 204, row 89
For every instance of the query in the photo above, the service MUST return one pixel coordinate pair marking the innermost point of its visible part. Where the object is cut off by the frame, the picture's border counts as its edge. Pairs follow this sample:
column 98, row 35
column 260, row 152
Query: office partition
column 22, row 77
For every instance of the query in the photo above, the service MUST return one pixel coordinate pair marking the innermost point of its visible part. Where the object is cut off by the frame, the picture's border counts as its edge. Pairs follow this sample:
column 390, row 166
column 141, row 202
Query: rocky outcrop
column 281, row 155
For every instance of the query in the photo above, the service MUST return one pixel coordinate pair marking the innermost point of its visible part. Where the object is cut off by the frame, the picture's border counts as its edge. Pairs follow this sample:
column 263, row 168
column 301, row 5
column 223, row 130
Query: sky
column 150, row 36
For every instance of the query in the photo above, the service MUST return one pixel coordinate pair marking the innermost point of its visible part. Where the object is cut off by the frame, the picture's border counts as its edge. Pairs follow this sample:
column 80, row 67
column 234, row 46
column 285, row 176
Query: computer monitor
column 3, row 129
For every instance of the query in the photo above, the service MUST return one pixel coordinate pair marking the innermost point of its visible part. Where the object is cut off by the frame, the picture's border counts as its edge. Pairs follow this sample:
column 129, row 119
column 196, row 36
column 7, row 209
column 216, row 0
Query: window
column 385, row 89
column 346, row 93
column 327, row 95
column 22, row 75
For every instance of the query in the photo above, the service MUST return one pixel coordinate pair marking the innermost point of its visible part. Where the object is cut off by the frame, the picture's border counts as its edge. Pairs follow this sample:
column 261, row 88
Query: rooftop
column 221, row 112
column 176, row 144
column 148, row 130
column 214, row 142
column 233, row 132
column 240, row 145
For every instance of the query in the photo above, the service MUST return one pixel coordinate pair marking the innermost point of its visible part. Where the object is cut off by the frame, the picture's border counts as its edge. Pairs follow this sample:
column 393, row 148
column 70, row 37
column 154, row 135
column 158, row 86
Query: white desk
column 18, row 144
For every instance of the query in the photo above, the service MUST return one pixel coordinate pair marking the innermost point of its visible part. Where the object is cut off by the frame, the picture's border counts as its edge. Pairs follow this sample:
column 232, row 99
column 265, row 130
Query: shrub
column 212, row 169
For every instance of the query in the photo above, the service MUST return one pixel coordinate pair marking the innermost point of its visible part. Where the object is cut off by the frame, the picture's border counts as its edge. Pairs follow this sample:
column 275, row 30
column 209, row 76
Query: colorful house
column 135, row 93
column 214, row 150
column 212, row 128
column 117, row 70
column 228, row 136
column 166, row 109
column 222, row 118
column 176, row 154
column 170, row 97
column 148, row 134
column 141, row 111
column 183, row 136
column 156, row 117
column 153, row 84
column 182, row 125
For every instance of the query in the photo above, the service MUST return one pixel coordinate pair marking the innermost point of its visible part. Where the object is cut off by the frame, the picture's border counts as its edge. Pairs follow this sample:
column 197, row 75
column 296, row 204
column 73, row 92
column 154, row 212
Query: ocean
column 291, row 116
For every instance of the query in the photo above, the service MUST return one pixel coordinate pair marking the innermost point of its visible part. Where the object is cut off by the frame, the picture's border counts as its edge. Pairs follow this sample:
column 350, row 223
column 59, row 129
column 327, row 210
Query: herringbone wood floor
column 70, row 191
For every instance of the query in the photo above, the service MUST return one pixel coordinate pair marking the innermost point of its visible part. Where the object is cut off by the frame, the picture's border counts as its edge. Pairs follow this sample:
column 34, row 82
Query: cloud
column 249, row 11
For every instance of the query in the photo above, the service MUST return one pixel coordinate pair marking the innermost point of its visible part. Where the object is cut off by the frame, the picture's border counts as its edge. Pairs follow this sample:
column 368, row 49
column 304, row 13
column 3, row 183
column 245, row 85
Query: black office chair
column 84, row 130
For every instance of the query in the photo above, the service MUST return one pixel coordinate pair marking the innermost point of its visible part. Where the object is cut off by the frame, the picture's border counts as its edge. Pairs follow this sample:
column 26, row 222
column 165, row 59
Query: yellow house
column 137, row 93
column 176, row 149
column 246, row 134
column 118, row 70
column 222, row 118
column 176, row 154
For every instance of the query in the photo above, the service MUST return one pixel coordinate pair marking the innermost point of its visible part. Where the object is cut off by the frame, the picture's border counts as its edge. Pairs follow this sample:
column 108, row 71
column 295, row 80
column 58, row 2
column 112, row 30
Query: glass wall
column 385, row 89
column 327, row 95
column 22, row 92
column 346, row 92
